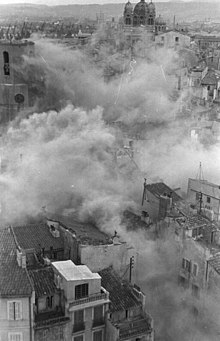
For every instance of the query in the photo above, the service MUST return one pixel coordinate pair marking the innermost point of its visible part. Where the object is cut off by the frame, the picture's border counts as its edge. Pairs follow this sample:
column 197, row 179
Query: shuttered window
column 15, row 337
column 14, row 310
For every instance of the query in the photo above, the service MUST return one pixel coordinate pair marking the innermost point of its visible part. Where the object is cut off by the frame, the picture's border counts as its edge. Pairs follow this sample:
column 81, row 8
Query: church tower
column 13, row 91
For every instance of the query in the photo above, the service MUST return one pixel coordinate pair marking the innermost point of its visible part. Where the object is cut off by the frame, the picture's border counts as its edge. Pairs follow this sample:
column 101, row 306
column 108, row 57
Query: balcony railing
column 134, row 328
column 49, row 319
column 90, row 298
column 78, row 327
column 98, row 322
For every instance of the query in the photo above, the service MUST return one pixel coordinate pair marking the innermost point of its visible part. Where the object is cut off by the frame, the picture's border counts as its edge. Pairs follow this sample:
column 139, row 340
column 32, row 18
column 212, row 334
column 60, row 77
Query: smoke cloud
column 62, row 155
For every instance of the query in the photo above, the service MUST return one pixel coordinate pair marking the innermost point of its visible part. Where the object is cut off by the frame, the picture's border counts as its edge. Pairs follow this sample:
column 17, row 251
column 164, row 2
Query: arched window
column 128, row 21
column 150, row 21
column 6, row 63
column 135, row 20
column 141, row 20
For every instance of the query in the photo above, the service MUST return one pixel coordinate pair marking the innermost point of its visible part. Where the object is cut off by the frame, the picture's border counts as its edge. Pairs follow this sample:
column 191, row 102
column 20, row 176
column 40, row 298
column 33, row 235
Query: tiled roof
column 43, row 281
column 37, row 236
column 197, row 220
column 133, row 221
column 215, row 263
column 86, row 233
column 209, row 79
column 120, row 293
column 14, row 280
column 161, row 188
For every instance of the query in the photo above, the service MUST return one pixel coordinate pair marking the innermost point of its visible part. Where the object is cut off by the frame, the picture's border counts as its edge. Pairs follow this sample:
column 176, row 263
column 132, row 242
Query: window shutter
column 11, row 310
column 190, row 266
column 18, row 312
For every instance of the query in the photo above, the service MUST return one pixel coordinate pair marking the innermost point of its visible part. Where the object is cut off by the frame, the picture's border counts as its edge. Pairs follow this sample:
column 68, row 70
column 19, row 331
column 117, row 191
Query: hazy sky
column 65, row 2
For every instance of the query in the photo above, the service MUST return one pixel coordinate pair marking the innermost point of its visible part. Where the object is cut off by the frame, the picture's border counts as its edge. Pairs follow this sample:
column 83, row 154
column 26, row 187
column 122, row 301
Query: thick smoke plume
column 62, row 160
column 62, row 156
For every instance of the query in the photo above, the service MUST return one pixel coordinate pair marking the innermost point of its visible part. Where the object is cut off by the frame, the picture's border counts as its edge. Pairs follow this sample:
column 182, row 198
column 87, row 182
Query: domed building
column 143, row 14
column 160, row 24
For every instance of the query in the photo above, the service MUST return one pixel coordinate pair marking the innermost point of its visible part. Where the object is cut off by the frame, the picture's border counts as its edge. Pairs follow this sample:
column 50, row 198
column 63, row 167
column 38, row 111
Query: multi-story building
column 205, row 196
column 158, row 199
column 16, row 293
column 86, row 302
column 199, row 247
column 127, row 319
column 46, row 296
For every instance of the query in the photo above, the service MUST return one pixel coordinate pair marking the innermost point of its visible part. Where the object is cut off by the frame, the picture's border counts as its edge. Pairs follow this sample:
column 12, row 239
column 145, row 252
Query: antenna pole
column 144, row 191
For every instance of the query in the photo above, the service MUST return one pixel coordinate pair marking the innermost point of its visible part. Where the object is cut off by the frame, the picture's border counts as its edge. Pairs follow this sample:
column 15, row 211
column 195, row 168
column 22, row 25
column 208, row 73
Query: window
column 183, row 282
column 98, row 314
column 78, row 321
column 81, row 291
column 194, row 233
column 195, row 290
column 45, row 336
column 176, row 39
column 97, row 336
column 208, row 199
column 50, row 302
column 78, row 338
column 6, row 63
column 186, row 264
column 128, row 21
column 14, row 310
column 61, row 335
column 15, row 337
column 197, row 195
column 200, row 230
column 162, row 38
column 195, row 269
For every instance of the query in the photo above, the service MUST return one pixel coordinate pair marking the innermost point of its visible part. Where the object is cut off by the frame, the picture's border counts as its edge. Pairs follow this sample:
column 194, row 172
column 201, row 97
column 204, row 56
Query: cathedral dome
column 128, row 7
column 160, row 21
column 151, row 7
column 141, row 8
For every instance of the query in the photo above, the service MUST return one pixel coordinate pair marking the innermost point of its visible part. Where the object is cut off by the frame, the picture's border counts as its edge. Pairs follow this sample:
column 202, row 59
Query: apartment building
column 205, row 196
column 16, row 293
column 86, row 301
column 127, row 319
column 199, row 241
column 157, row 201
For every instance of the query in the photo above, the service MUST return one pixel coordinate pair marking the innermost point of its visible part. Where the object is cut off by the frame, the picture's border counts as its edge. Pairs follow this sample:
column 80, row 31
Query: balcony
column 98, row 322
column 103, row 295
column 49, row 319
column 135, row 328
column 78, row 327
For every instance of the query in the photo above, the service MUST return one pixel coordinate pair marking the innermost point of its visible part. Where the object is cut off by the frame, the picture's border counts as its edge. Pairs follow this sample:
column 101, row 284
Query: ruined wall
column 99, row 257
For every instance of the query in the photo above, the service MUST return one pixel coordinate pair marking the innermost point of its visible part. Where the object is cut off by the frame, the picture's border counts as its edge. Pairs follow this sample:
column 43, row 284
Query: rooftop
column 72, row 272
column 215, row 263
column 86, row 233
column 207, row 188
column 14, row 280
column 210, row 78
column 16, row 42
column 43, row 281
column 121, row 294
column 161, row 188
column 37, row 236
column 137, row 327
column 196, row 220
